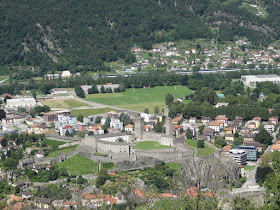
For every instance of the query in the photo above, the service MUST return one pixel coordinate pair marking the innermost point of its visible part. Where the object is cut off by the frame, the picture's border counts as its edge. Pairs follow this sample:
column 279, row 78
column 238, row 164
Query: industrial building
column 21, row 102
column 252, row 80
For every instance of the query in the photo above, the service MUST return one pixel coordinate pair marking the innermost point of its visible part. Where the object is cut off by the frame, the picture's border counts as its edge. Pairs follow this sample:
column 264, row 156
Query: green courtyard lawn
column 63, row 150
column 207, row 150
column 70, row 103
column 78, row 165
column 88, row 112
column 150, row 145
column 138, row 98
column 50, row 142
column 249, row 168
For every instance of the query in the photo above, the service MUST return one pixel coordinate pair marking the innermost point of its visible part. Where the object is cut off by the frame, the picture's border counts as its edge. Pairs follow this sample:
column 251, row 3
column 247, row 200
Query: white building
column 21, row 102
column 252, row 80
column 66, row 74
column 117, row 124
column 238, row 156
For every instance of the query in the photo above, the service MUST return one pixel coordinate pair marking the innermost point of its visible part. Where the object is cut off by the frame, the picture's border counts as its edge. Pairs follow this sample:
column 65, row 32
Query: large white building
column 21, row 102
column 238, row 156
column 252, row 80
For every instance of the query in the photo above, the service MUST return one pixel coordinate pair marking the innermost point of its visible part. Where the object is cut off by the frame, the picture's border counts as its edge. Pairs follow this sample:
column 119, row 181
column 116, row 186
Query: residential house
column 222, row 118
column 249, row 137
column 193, row 120
column 269, row 127
column 27, row 195
column 50, row 116
column 253, row 143
column 151, row 124
column 129, row 128
column 147, row 128
column 160, row 117
column 273, row 120
column 176, row 120
column 227, row 148
column 117, row 124
column 252, row 125
column 205, row 120
column 218, row 105
column 43, row 203
column 208, row 132
column 216, row 126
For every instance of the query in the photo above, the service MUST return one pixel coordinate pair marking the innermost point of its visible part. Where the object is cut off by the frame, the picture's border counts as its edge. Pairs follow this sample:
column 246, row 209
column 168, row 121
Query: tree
column 200, row 144
column 264, row 137
column 107, row 122
column 79, row 92
column 189, row 134
column 220, row 141
column 2, row 114
column 158, row 127
column 102, row 177
column 98, row 119
column 34, row 94
column 102, row 89
column 262, row 173
column 120, row 140
column 81, row 180
column 80, row 117
column 169, row 99
column 201, row 128
column 156, row 111
column 146, row 110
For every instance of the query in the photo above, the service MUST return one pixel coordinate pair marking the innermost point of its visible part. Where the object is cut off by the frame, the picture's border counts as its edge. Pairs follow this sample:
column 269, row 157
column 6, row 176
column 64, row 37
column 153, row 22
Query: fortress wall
column 161, row 154
column 151, row 136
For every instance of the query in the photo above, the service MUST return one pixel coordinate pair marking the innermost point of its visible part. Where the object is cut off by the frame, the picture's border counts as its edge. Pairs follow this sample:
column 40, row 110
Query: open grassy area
column 71, row 103
column 207, row 150
column 4, row 71
column 3, row 78
column 50, row 142
column 150, row 145
column 138, row 99
column 78, row 165
column 63, row 150
column 249, row 168
column 87, row 112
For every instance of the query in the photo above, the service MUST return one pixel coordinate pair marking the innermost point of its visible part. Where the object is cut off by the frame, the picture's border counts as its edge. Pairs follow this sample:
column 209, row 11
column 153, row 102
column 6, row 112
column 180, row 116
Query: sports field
column 78, row 165
column 87, row 112
column 138, row 99
column 64, row 103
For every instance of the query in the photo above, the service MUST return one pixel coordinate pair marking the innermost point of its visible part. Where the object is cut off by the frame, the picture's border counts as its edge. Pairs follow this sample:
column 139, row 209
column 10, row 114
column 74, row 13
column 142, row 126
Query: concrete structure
column 168, row 126
column 66, row 74
column 251, row 152
column 139, row 128
column 21, row 102
column 238, row 156
column 252, row 80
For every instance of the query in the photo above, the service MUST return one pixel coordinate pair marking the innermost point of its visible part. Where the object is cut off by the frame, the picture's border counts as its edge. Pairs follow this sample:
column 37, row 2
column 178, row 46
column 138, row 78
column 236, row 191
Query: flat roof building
column 252, row 80
column 251, row 152
column 238, row 156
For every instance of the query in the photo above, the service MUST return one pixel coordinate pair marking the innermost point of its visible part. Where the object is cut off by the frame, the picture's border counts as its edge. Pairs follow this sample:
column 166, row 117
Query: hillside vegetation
column 66, row 33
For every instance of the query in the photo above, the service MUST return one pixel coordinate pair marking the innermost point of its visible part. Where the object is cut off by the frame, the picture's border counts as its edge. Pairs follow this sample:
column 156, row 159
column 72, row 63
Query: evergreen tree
column 156, row 110
column 79, row 92
column 146, row 110
column 200, row 144
column 34, row 94
column 169, row 99
column 102, row 89
column 189, row 134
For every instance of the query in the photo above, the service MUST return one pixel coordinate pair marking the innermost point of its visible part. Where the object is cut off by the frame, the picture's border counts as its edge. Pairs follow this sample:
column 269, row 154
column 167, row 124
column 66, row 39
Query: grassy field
column 87, row 112
column 64, row 103
column 3, row 78
column 50, row 142
column 64, row 150
column 78, row 165
column 138, row 99
column 249, row 168
column 150, row 145
column 207, row 150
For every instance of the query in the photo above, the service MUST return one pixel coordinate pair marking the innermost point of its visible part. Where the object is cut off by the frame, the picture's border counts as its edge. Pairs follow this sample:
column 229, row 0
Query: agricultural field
column 138, row 99
column 78, row 165
column 88, row 112
column 63, row 150
column 50, row 142
column 150, row 145
column 71, row 103
column 207, row 150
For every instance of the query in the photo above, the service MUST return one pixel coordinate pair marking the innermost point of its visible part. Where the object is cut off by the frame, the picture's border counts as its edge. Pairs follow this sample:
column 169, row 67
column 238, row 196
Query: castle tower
column 168, row 126
column 139, row 128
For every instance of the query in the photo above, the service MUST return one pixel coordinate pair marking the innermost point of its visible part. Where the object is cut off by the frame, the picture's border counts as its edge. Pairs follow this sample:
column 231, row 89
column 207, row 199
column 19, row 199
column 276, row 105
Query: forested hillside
column 68, row 33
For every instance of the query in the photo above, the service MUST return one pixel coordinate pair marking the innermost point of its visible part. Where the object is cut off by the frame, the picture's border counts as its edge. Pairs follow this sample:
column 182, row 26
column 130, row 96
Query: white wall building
column 21, row 102
column 238, row 156
column 252, row 80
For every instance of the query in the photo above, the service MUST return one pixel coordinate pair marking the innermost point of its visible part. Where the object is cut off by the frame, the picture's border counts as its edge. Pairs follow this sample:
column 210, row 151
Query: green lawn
column 175, row 166
column 63, row 150
column 87, row 112
column 64, row 103
column 207, row 150
column 4, row 71
column 78, row 165
column 249, row 168
column 138, row 99
column 150, row 145
column 50, row 142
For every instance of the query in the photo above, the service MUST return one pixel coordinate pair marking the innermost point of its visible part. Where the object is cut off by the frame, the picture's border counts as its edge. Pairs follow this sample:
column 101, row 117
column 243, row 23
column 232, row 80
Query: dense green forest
column 66, row 33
